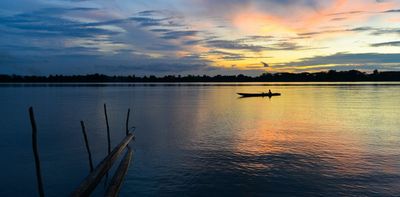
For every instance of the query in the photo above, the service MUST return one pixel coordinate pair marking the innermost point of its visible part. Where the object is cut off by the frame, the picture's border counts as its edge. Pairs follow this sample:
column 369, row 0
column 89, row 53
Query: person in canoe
column 269, row 91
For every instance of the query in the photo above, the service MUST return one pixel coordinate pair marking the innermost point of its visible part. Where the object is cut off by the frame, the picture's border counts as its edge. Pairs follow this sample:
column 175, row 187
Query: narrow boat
column 262, row 94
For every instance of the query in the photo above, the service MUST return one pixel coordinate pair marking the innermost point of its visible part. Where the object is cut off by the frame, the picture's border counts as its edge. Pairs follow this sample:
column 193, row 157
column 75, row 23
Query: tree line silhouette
column 329, row 76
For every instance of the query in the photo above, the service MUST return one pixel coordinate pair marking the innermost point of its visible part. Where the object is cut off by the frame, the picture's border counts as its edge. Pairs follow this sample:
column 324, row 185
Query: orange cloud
column 252, row 22
column 299, row 20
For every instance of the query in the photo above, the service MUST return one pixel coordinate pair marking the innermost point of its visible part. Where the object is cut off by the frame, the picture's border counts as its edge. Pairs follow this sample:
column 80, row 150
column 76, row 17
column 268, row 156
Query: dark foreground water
column 202, row 140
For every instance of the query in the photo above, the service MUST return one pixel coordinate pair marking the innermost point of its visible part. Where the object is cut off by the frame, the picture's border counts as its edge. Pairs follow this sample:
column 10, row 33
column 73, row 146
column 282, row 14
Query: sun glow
column 262, row 24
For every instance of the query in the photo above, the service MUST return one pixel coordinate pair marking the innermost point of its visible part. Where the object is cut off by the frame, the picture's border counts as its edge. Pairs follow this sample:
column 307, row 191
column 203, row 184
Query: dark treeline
column 332, row 75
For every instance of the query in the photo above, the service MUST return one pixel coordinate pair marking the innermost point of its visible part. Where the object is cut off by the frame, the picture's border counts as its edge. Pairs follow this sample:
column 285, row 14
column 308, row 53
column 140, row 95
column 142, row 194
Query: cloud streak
column 347, row 59
column 393, row 43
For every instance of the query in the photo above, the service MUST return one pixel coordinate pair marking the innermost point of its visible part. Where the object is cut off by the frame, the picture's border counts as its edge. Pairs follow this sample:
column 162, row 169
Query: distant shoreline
column 330, row 76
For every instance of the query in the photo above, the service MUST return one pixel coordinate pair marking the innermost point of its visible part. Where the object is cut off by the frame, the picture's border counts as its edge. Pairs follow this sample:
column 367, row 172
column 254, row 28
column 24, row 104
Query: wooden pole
column 116, row 181
column 108, row 141
column 108, row 129
column 36, row 153
column 127, row 122
column 87, row 146
column 93, row 179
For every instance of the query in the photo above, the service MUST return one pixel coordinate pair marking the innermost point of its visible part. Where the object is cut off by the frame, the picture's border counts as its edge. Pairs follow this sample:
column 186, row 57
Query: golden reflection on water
column 343, row 127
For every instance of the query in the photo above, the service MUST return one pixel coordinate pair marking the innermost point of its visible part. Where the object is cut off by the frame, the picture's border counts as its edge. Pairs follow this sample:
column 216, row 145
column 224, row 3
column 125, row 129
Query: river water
column 317, row 139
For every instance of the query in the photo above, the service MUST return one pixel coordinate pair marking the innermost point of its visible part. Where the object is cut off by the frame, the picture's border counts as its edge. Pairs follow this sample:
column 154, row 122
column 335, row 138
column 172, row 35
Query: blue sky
column 40, row 37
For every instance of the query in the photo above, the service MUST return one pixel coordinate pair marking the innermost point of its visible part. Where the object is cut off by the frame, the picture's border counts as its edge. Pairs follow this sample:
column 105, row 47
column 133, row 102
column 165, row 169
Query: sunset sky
column 40, row 37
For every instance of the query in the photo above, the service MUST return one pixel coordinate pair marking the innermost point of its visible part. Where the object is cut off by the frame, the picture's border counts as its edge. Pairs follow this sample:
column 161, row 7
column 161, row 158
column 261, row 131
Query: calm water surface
column 202, row 140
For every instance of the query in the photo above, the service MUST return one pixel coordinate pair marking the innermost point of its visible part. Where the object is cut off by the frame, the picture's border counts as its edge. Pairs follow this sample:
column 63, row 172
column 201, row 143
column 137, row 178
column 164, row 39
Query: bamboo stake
column 127, row 121
column 108, row 129
column 93, row 179
column 108, row 141
column 87, row 146
column 116, row 181
column 36, row 153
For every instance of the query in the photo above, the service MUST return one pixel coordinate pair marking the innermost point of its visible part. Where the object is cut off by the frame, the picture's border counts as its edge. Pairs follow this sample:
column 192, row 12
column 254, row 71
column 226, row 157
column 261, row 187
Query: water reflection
column 302, row 144
column 314, row 140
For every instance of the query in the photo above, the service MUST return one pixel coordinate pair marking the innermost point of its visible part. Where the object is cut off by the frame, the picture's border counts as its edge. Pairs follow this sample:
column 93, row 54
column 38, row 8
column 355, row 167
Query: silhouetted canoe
column 259, row 94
